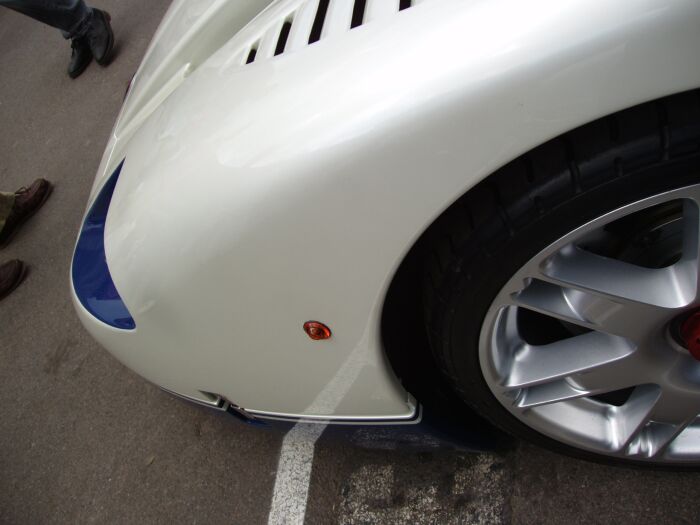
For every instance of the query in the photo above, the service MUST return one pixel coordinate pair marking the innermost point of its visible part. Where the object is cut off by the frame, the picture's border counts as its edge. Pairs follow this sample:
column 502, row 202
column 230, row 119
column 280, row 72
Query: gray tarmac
column 85, row 440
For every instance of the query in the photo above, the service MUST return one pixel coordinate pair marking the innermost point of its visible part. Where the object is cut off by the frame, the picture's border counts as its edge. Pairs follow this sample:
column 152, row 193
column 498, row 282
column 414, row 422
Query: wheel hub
column 690, row 334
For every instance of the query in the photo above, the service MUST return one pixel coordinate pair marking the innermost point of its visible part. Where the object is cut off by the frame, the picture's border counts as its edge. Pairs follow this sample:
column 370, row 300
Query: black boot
column 80, row 57
column 100, row 37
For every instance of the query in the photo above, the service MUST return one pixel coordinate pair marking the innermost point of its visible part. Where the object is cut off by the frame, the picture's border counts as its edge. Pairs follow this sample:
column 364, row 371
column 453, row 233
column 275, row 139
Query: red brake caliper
column 690, row 332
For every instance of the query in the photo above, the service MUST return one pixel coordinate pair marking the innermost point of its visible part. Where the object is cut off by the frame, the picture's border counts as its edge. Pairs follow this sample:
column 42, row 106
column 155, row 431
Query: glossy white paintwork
column 256, row 197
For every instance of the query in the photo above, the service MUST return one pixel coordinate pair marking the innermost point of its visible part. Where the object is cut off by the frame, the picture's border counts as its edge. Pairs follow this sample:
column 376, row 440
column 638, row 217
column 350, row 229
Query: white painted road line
column 294, row 474
column 297, row 454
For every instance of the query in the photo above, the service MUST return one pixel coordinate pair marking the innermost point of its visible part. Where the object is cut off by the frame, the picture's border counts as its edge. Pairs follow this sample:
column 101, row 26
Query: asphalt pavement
column 85, row 440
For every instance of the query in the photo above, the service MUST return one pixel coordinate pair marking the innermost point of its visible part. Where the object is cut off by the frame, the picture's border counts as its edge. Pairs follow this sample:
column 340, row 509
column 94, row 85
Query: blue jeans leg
column 72, row 17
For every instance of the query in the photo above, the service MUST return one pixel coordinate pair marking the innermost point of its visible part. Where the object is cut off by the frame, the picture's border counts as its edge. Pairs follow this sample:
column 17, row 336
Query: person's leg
column 72, row 17
column 89, row 29
column 7, row 201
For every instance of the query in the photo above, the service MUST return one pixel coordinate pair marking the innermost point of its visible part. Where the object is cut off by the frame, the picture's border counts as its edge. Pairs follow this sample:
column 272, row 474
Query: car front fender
column 258, row 196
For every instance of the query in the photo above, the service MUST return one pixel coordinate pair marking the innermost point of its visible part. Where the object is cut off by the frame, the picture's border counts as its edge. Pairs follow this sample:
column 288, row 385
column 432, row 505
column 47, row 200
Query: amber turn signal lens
column 317, row 331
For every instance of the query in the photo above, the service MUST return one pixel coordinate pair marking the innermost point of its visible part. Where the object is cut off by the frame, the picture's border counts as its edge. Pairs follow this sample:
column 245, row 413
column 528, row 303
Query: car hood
column 190, row 33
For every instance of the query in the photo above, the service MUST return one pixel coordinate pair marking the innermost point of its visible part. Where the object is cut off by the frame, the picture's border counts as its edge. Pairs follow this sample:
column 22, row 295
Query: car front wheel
column 562, row 293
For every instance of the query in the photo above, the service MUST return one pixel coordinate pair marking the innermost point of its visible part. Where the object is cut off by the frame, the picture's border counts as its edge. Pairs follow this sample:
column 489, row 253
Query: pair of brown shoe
column 27, row 202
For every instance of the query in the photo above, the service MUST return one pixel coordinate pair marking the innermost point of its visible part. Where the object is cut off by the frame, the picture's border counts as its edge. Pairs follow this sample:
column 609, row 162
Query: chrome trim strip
column 413, row 419
column 217, row 403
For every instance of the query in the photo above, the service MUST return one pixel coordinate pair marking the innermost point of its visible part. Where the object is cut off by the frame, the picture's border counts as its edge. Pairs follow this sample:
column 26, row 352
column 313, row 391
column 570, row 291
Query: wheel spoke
column 615, row 374
column 628, row 420
column 667, row 419
column 691, row 239
column 548, row 393
column 619, row 281
column 533, row 365
column 626, row 319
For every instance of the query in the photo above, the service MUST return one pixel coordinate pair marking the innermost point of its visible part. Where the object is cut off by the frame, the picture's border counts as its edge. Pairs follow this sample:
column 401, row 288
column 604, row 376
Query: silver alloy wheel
column 622, row 318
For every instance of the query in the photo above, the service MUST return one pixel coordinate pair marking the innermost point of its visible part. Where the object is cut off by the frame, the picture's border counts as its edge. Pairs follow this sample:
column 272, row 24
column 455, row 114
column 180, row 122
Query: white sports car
column 376, row 211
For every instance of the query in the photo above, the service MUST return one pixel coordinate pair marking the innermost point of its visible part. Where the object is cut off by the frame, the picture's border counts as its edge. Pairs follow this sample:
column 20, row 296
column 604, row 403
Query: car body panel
column 191, row 31
column 255, row 197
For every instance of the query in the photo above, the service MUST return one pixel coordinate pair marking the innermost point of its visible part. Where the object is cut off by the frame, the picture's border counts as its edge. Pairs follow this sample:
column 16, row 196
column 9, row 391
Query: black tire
column 504, row 221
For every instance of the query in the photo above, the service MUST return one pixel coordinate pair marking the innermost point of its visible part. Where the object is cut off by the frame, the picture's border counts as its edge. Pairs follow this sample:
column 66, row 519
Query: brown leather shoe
column 27, row 202
column 11, row 274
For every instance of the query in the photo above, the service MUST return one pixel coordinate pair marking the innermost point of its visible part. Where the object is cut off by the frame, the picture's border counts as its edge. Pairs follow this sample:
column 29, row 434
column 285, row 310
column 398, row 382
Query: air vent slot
column 311, row 20
column 284, row 36
column 317, row 28
column 358, row 13
column 251, row 54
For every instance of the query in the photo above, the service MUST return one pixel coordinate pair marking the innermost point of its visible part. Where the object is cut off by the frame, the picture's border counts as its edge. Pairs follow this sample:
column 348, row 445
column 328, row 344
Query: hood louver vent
column 313, row 20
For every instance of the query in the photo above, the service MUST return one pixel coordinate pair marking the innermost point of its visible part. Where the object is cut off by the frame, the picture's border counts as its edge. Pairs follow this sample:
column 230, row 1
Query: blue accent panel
column 91, row 278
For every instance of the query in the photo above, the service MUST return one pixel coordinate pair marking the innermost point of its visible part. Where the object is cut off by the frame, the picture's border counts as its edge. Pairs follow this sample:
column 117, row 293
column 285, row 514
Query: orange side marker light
column 317, row 331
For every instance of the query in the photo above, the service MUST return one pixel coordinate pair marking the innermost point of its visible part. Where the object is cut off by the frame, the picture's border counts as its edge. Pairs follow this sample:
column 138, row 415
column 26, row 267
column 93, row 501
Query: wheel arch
column 403, row 331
